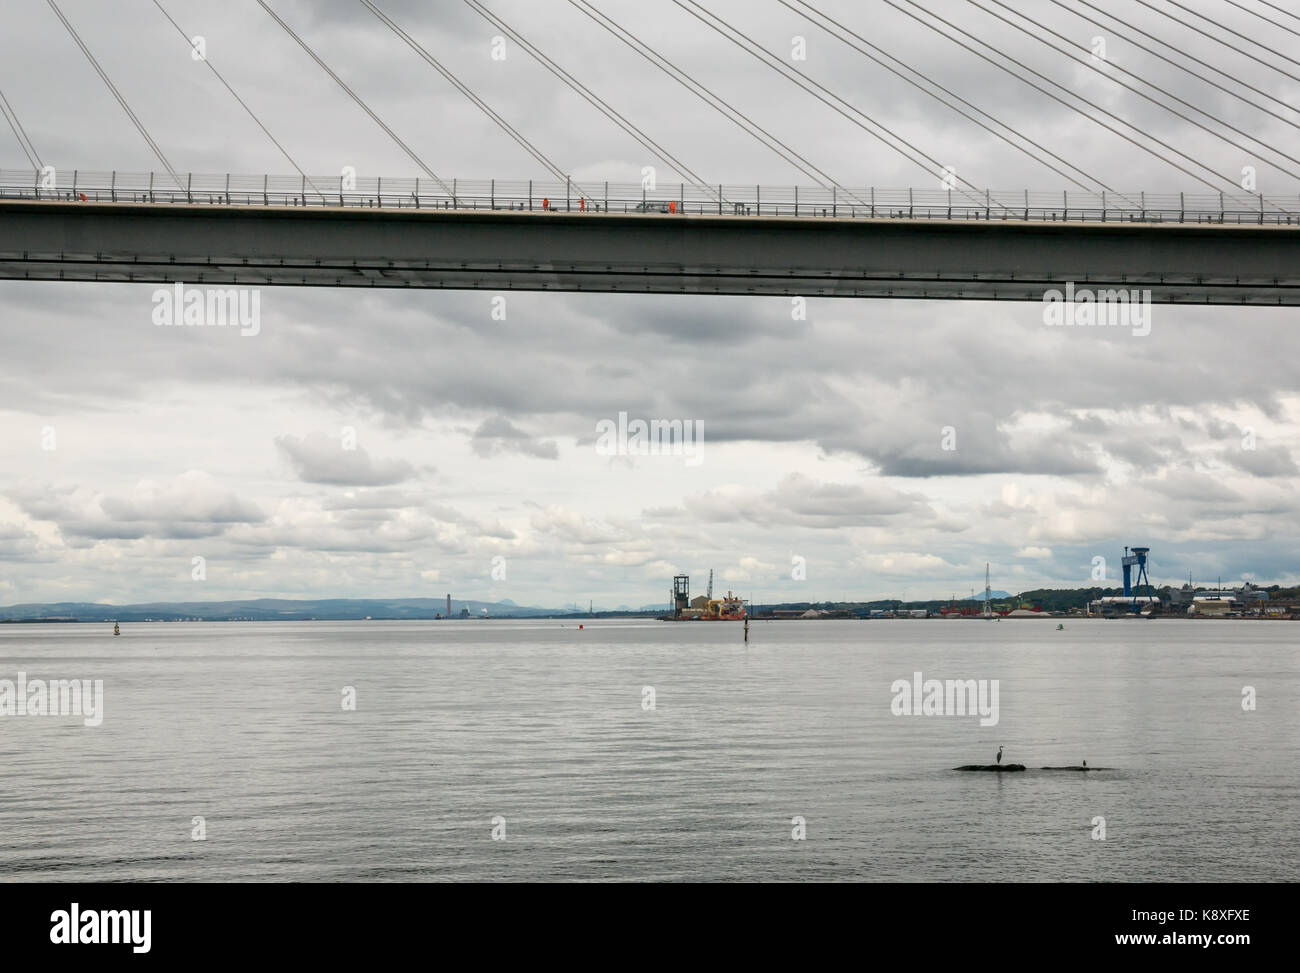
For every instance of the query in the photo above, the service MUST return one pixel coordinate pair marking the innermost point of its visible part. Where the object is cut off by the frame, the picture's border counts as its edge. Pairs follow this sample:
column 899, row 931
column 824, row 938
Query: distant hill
column 266, row 609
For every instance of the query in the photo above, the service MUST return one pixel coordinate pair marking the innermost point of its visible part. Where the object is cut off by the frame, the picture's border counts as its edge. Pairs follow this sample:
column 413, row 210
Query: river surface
column 643, row 750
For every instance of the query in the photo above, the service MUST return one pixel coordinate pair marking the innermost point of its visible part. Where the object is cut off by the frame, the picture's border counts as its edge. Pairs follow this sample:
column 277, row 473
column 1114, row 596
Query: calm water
column 459, row 722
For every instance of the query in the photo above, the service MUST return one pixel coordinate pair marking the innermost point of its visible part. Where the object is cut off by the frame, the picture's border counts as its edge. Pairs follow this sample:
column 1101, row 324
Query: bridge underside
column 1202, row 263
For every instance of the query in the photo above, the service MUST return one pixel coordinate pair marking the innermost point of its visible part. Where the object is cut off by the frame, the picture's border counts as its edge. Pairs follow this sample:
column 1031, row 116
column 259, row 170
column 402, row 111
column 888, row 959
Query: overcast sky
column 476, row 436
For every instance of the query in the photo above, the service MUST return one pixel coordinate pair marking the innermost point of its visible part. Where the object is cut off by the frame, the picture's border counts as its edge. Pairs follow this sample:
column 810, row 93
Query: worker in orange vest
column 582, row 204
column 546, row 203
column 672, row 206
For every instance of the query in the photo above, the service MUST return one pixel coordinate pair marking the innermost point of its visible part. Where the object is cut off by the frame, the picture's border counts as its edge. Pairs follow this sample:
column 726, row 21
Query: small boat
column 116, row 630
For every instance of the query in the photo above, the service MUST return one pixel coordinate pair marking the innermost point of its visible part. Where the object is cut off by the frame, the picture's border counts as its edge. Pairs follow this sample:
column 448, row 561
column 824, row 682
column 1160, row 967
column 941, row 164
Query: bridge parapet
column 590, row 196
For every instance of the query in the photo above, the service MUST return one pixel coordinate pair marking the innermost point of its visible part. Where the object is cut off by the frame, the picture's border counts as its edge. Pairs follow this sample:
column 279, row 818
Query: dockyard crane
column 1137, row 559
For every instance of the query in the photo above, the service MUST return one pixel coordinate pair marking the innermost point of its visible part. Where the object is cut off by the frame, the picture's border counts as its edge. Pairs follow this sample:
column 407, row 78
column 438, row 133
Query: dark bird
column 999, row 755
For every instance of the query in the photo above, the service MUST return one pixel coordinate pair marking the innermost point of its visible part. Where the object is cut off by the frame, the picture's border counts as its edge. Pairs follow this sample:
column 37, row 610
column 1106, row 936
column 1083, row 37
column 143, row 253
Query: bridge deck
column 349, row 246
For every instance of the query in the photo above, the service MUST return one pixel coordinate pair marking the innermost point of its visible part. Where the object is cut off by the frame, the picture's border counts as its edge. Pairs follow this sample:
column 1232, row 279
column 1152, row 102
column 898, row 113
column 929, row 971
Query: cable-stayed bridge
column 1219, row 243
column 263, row 230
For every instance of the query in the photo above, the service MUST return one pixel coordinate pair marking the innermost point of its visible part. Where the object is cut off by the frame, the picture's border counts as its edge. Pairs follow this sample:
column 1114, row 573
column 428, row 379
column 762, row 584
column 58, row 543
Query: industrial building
column 1245, row 601
column 704, row 607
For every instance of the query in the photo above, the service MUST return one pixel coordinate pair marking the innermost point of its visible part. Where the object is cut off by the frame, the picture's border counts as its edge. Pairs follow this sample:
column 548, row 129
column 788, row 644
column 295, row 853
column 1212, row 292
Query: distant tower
column 681, row 594
column 709, row 595
column 988, row 593
column 448, row 615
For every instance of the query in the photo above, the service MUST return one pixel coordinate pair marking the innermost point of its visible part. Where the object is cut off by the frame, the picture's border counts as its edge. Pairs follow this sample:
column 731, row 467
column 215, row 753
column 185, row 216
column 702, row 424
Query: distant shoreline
column 124, row 619
column 1061, row 604
column 648, row 617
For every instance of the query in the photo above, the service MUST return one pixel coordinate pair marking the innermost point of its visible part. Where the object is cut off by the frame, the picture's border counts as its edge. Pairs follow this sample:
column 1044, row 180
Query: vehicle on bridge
column 656, row 207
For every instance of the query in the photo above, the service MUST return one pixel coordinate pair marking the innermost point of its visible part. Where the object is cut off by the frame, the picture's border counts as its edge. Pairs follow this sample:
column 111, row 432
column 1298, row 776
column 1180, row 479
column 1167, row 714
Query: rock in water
column 996, row 768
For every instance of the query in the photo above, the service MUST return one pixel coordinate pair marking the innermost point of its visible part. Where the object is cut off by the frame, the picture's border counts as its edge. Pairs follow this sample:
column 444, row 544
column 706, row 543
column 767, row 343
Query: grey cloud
column 190, row 505
column 1201, row 487
column 1090, row 425
column 17, row 543
column 498, row 434
column 1264, row 461
column 802, row 501
column 1146, row 454
column 318, row 458
column 1218, row 429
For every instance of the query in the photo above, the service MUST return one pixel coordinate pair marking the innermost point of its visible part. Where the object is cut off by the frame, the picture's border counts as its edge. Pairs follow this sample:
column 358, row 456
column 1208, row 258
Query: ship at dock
column 728, row 609
column 704, row 608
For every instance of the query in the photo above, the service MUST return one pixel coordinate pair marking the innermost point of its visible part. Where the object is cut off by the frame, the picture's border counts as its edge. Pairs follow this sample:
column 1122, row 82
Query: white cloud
column 1035, row 553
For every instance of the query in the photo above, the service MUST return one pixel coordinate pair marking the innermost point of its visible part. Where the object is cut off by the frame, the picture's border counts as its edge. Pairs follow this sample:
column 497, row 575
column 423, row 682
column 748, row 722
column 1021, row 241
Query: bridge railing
column 591, row 196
